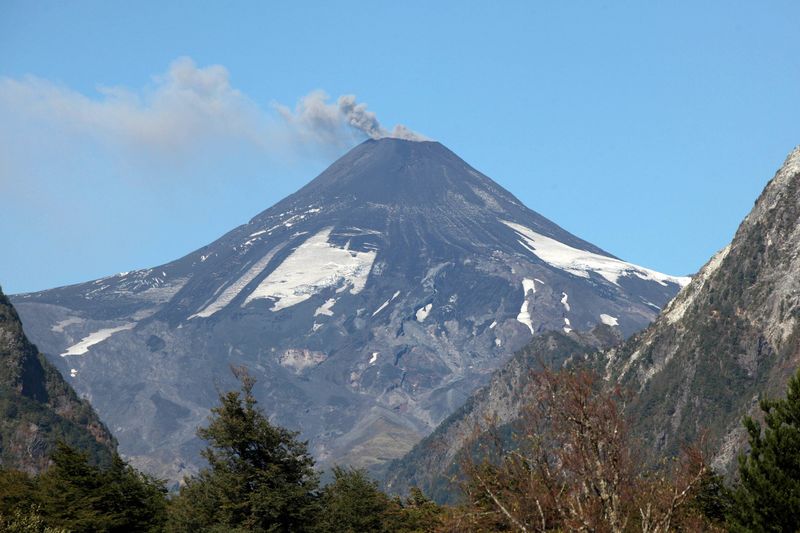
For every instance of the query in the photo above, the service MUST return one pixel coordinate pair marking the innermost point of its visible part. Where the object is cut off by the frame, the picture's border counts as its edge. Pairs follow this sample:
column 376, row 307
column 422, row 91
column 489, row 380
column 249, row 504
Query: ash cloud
column 316, row 116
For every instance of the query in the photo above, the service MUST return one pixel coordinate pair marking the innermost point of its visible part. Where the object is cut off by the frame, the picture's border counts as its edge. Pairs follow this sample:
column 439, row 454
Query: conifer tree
column 416, row 514
column 353, row 503
column 17, row 491
column 78, row 496
column 767, row 497
column 259, row 478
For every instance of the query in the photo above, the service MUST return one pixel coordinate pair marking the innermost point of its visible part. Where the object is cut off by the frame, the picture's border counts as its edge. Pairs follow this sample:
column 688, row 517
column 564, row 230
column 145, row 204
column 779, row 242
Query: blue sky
column 133, row 133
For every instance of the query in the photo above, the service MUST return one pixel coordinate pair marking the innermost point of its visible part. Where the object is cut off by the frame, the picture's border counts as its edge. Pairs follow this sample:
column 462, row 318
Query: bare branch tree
column 571, row 464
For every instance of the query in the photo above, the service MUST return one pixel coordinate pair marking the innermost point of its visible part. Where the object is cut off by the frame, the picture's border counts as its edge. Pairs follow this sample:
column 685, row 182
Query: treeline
column 260, row 477
column 75, row 495
column 573, row 466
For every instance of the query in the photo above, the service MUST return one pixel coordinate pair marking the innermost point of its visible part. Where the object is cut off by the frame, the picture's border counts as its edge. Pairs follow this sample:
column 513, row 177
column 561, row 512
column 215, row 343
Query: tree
column 352, row 503
column 29, row 520
column 713, row 499
column 19, row 512
column 78, row 496
column 136, row 500
column 574, row 467
column 17, row 491
column 259, row 478
column 767, row 497
column 69, row 491
column 419, row 513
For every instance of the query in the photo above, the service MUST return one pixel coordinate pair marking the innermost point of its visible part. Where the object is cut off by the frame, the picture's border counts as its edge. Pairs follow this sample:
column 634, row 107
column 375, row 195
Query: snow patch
column 381, row 308
column 493, row 324
column 314, row 265
column 581, row 262
column 374, row 358
column 524, row 316
column 564, row 302
column 609, row 320
column 528, row 285
column 73, row 372
column 325, row 309
column 95, row 338
column 384, row 304
column 422, row 312
column 236, row 287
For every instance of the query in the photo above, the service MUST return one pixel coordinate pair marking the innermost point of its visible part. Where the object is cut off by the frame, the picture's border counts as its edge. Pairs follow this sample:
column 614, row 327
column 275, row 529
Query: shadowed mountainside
column 38, row 407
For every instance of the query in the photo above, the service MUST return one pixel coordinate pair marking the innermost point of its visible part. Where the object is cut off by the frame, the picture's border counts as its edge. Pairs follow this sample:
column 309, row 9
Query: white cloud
column 183, row 108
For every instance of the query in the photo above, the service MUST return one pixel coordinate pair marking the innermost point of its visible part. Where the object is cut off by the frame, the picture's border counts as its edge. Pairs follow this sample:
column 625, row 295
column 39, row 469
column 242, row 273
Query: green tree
column 26, row 520
column 17, row 491
column 19, row 512
column 713, row 498
column 353, row 503
column 259, row 478
column 417, row 514
column 137, row 501
column 78, row 496
column 767, row 497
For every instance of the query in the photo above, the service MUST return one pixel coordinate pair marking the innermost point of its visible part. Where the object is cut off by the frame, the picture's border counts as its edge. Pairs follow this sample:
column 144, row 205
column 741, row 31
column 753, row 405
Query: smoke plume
column 315, row 116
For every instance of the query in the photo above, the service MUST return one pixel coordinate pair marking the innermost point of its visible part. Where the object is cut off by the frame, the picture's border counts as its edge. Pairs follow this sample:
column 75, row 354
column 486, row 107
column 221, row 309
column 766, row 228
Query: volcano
column 368, row 305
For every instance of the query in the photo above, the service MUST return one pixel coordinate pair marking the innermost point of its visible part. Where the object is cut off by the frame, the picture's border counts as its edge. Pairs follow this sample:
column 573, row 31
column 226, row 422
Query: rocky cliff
column 38, row 407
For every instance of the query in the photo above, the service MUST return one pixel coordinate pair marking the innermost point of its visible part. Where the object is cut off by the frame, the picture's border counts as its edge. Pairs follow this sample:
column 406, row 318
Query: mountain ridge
column 733, row 334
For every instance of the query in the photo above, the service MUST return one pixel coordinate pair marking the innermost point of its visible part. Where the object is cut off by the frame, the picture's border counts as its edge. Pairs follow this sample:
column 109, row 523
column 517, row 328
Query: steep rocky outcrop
column 38, row 407
column 730, row 336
